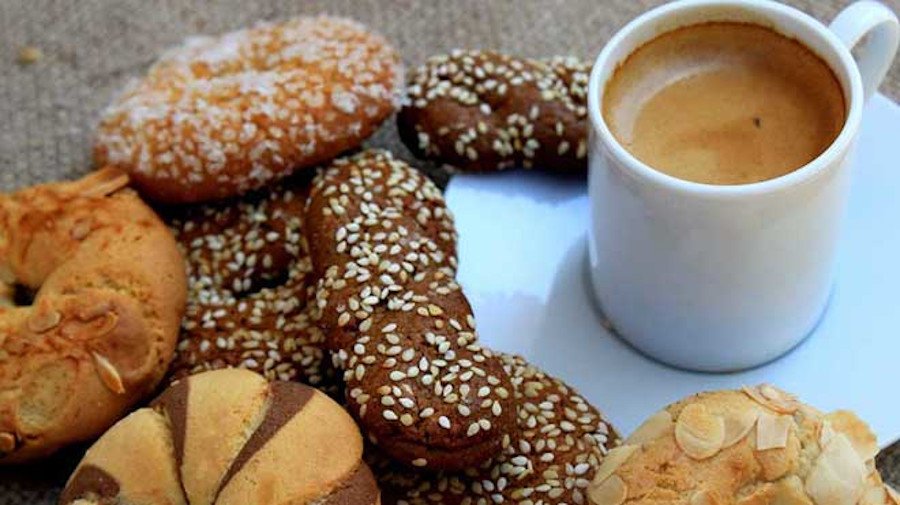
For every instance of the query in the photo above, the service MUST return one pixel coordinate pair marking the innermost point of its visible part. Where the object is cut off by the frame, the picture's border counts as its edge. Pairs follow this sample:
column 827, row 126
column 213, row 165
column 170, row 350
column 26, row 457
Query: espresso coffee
column 724, row 103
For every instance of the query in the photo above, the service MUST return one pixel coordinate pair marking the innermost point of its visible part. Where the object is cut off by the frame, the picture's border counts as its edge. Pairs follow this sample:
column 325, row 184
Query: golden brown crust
column 483, row 110
column 559, row 442
column 384, row 246
column 751, row 447
column 249, row 279
column 109, row 291
column 244, row 440
column 222, row 115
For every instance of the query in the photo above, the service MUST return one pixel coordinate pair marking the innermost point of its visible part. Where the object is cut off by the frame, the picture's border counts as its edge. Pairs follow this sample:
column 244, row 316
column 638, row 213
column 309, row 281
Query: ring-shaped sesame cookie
column 249, row 279
column 219, row 116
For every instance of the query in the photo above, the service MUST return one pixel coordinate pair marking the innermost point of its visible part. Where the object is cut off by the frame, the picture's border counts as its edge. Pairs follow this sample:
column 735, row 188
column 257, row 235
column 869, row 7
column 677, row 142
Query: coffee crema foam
column 724, row 103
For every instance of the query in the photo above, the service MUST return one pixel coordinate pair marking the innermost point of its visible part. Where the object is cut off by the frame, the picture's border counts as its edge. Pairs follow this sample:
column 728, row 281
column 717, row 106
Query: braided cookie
column 384, row 247
column 482, row 110
column 223, row 115
column 249, row 277
column 755, row 446
column 109, row 292
column 551, row 457
column 228, row 437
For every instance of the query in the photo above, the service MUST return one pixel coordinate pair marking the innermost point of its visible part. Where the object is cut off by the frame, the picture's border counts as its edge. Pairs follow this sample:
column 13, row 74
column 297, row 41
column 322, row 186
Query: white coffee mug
column 721, row 278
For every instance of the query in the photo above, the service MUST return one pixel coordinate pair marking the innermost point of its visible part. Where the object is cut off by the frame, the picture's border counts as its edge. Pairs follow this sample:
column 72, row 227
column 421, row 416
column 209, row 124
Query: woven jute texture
column 89, row 48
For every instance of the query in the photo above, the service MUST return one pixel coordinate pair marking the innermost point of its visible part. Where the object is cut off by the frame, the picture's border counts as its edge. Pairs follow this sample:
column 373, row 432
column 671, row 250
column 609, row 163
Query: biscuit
column 222, row 115
column 228, row 437
column 249, row 278
column 758, row 445
column 383, row 246
column 559, row 442
column 483, row 110
column 108, row 288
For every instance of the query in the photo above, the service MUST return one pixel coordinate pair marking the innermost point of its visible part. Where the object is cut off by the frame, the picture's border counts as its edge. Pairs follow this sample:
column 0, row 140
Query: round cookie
column 249, row 278
column 108, row 289
column 483, row 110
column 228, row 437
column 222, row 115
column 755, row 446
column 559, row 442
column 383, row 246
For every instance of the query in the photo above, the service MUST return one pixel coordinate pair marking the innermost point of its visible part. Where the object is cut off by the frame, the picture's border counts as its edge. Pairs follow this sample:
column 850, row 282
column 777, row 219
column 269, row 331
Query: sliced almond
column 103, row 182
column 893, row 495
column 613, row 461
column 611, row 491
column 108, row 374
column 44, row 319
column 81, row 228
column 772, row 398
column 703, row 497
column 7, row 442
column 95, row 311
column 772, row 431
column 826, row 432
column 737, row 425
column 857, row 431
column 838, row 475
column 874, row 495
column 699, row 433
column 789, row 491
column 653, row 428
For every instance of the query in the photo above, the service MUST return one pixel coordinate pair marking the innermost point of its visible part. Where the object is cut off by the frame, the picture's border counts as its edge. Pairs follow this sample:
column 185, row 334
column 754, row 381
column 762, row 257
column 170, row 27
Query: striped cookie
column 483, row 110
column 383, row 245
column 559, row 442
column 228, row 437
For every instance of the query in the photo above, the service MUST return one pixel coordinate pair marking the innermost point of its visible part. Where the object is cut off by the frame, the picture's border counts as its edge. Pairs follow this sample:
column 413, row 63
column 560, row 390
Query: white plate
column 522, row 264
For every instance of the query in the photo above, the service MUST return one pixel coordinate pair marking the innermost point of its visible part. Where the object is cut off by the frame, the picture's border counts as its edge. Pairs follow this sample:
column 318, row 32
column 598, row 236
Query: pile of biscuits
column 278, row 257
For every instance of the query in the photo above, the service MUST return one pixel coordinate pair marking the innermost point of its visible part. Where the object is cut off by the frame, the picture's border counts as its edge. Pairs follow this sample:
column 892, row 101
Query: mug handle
column 878, row 25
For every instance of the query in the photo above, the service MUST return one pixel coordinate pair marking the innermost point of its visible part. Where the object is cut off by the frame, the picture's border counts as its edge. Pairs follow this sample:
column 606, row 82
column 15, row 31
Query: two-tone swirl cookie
column 228, row 437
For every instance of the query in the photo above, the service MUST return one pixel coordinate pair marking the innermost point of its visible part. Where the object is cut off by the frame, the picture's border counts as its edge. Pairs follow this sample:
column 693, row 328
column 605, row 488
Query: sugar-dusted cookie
column 222, row 115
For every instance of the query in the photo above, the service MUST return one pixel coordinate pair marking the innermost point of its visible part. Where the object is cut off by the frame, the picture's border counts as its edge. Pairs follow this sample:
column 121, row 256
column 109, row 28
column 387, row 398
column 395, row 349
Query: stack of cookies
column 341, row 279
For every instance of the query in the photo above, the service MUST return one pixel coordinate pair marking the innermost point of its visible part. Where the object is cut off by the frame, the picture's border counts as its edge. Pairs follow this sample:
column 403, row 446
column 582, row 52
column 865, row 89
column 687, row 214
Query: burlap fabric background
column 90, row 47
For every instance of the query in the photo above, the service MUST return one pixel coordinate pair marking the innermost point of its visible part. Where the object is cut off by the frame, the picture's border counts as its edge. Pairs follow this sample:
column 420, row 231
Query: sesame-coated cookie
column 383, row 245
column 222, row 115
column 108, row 290
column 249, row 278
column 483, row 110
column 228, row 437
column 559, row 442
column 755, row 446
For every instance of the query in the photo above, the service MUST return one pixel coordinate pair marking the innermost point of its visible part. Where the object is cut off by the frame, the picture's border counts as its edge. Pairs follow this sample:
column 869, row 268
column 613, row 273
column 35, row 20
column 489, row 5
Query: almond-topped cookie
column 92, row 288
column 383, row 245
column 754, row 446
column 484, row 110
column 222, row 115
